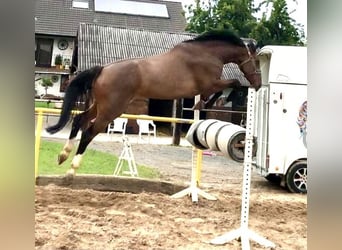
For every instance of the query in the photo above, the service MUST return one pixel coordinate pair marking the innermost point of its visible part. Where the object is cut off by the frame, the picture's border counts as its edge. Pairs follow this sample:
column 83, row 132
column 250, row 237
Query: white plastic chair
column 146, row 127
column 118, row 125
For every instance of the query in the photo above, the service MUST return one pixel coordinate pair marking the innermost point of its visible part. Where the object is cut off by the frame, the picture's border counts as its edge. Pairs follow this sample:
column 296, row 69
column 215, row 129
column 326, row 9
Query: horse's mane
column 218, row 35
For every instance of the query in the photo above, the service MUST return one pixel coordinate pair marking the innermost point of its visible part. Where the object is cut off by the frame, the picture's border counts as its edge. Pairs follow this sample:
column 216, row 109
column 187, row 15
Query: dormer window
column 84, row 4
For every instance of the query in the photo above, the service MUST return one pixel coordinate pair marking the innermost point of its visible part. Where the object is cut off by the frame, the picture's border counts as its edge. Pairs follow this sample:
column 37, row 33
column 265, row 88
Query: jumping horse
column 190, row 68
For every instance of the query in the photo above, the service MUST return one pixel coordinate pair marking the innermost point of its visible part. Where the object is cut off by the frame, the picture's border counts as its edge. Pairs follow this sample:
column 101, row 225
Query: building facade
column 57, row 23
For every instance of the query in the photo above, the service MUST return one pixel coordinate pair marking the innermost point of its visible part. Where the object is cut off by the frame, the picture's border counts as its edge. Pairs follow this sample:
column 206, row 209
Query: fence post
column 37, row 142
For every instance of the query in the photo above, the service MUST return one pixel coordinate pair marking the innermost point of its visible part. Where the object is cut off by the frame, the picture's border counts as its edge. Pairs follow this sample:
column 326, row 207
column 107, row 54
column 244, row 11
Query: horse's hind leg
column 64, row 154
column 80, row 120
column 87, row 136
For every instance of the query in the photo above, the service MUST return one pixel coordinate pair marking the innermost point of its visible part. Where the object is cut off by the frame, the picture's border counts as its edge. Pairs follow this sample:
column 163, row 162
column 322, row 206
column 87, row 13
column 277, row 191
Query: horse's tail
column 77, row 87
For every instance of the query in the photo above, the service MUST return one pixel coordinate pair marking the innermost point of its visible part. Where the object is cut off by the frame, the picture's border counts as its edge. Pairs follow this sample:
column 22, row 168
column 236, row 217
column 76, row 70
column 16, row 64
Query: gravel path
column 175, row 162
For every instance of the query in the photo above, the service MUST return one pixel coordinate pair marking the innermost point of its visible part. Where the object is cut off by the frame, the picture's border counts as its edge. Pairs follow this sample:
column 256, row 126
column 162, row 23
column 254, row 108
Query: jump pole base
column 194, row 192
column 245, row 235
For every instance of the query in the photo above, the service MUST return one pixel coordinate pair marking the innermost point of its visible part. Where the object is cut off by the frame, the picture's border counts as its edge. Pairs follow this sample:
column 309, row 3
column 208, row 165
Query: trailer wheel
column 296, row 177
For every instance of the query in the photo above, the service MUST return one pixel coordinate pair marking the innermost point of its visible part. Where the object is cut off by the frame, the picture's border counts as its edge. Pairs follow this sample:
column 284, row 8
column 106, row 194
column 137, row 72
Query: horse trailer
column 280, row 117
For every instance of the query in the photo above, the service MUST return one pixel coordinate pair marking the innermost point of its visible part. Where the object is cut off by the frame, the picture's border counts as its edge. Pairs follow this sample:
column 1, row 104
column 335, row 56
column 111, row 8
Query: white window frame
column 84, row 4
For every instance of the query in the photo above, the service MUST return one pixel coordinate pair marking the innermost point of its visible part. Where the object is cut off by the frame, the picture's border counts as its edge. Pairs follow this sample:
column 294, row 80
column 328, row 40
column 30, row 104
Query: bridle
column 250, row 59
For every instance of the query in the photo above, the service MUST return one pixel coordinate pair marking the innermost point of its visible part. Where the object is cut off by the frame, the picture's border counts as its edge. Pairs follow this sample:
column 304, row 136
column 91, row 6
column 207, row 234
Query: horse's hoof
column 76, row 161
column 61, row 158
column 71, row 172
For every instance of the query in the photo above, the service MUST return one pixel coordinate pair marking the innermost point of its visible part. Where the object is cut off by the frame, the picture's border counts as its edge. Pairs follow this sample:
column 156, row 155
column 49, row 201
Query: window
column 132, row 8
column 80, row 4
column 43, row 53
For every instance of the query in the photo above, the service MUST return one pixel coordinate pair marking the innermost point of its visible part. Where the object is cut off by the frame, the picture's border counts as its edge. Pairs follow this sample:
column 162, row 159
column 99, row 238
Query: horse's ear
column 252, row 46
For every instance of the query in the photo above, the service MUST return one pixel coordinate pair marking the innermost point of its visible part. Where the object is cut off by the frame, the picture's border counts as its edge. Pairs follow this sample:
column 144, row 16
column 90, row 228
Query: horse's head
column 249, row 65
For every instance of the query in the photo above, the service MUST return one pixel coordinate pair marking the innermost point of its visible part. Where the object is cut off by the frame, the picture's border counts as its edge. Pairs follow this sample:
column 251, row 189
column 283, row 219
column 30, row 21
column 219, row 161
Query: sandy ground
column 88, row 219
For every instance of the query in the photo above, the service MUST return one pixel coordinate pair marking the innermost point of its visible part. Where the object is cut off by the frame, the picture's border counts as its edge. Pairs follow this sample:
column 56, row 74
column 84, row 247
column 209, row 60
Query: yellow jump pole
column 199, row 166
column 37, row 142
column 198, row 151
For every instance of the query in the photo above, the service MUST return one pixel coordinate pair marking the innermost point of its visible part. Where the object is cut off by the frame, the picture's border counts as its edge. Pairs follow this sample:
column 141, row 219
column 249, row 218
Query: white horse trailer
column 280, row 116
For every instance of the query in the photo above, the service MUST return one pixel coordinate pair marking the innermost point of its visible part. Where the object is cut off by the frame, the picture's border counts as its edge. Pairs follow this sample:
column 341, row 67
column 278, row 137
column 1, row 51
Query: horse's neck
column 224, row 52
column 195, row 56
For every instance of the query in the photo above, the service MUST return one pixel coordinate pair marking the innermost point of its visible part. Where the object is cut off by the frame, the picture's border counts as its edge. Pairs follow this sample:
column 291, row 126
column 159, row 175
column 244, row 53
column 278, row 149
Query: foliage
column 202, row 18
column 280, row 27
column 93, row 162
column 46, row 83
column 238, row 16
column 58, row 59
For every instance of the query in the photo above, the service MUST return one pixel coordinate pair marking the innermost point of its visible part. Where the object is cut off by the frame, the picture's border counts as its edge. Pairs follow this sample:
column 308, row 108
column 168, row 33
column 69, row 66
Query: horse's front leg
column 206, row 103
column 212, row 99
column 221, row 84
column 218, row 86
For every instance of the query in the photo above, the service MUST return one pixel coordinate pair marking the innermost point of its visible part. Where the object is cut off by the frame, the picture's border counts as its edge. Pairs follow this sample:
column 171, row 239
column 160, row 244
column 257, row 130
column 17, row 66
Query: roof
column 100, row 45
column 61, row 19
column 283, row 64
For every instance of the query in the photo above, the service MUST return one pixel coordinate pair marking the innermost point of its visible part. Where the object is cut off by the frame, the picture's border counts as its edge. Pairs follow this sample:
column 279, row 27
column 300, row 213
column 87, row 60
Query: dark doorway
column 161, row 108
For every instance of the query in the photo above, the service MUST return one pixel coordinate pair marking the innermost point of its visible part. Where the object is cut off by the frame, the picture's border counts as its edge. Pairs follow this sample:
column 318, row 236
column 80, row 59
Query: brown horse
column 191, row 68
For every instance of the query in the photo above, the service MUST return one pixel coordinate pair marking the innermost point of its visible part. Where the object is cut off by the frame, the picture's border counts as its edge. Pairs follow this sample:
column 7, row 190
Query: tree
column 202, row 18
column 46, row 83
column 238, row 15
column 281, row 26
column 261, row 33
column 235, row 15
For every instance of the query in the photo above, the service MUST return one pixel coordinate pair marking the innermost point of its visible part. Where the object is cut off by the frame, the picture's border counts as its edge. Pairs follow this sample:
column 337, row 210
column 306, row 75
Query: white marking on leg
column 71, row 172
column 76, row 161
column 69, row 145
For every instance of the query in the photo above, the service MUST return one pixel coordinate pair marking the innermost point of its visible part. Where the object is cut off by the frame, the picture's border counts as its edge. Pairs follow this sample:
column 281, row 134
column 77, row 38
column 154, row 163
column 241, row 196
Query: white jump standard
column 126, row 155
column 243, row 232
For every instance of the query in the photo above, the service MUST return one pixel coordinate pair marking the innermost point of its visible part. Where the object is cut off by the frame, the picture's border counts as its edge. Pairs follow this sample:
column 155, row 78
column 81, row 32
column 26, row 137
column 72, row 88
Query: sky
column 298, row 10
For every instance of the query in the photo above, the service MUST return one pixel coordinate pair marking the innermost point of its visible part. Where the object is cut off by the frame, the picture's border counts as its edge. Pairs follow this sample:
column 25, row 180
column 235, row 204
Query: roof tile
column 60, row 18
